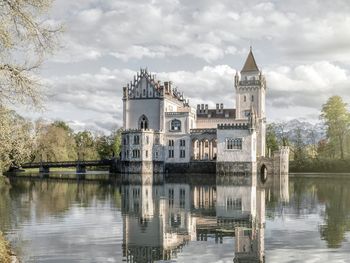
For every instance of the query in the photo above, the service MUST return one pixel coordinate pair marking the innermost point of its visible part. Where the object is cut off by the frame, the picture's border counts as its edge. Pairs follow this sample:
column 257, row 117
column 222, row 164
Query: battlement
column 183, row 113
column 234, row 126
column 283, row 150
column 208, row 130
column 140, row 131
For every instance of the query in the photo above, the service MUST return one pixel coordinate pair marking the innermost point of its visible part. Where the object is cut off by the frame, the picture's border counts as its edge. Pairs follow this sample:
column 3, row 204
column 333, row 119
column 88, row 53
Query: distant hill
column 310, row 133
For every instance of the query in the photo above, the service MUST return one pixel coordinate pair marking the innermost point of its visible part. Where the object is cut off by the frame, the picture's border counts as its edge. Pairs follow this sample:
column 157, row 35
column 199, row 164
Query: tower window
column 244, row 98
column 182, row 153
column 136, row 139
column 234, row 144
column 175, row 125
column 171, row 153
column 182, row 143
column 252, row 97
column 143, row 123
column 171, row 143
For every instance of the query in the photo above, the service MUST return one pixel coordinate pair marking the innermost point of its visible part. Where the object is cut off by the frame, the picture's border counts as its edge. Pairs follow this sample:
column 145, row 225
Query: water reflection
column 159, row 220
column 182, row 220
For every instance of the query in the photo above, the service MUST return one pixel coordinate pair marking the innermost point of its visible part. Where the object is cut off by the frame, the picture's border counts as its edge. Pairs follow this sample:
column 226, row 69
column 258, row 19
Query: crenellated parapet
column 140, row 131
column 234, row 126
column 200, row 131
column 283, row 150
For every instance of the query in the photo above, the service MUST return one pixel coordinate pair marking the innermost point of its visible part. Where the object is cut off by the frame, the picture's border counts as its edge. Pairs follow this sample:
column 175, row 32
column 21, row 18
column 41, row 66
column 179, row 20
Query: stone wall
column 138, row 167
column 198, row 167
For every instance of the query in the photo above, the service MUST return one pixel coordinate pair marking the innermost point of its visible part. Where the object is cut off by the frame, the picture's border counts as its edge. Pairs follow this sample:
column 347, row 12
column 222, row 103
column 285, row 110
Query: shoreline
column 318, row 174
column 6, row 254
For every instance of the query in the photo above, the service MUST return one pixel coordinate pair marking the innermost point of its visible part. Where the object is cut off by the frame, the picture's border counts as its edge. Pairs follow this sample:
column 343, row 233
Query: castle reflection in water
column 159, row 219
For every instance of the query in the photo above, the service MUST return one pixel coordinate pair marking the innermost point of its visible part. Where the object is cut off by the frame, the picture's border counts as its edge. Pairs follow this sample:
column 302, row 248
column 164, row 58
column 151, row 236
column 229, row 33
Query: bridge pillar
column 44, row 169
column 81, row 168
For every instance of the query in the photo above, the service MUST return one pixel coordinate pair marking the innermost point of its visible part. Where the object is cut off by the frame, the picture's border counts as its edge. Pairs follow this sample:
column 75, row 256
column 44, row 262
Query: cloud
column 305, row 56
column 97, row 98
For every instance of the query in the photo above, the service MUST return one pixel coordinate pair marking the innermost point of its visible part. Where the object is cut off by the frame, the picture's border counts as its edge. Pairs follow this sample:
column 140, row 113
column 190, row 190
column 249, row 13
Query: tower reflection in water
column 159, row 220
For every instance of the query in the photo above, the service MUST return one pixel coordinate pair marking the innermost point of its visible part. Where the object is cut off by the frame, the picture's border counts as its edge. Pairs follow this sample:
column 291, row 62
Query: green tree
column 55, row 143
column 271, row 138
column 86, row 145
column 107, row 146
column 298, row 148
column 337, row 120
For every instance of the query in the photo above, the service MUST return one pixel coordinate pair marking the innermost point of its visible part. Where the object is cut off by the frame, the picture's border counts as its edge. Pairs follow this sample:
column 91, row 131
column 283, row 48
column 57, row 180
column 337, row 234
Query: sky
column 302, row 47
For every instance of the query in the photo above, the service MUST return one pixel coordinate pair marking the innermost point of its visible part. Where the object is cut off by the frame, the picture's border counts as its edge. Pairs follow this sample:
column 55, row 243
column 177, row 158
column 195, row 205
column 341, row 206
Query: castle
column 162, row 132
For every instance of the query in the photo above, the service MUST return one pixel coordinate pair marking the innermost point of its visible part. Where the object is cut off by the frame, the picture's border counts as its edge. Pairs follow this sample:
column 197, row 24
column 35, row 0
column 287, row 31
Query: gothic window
column 182, row 198
column 252, row 97
column 244, row 98
column 136, row 139
column 233, row 204
column 143, row 123
column 182, row 153
column 234, row 144
column 135, row 153
column 147, row 140
column 175, row 125
column 146, row 154
column 182, row 143
column 171, row 197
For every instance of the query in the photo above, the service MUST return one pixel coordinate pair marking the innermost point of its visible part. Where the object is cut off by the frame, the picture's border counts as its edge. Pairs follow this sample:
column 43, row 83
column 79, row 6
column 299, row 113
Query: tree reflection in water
column 160, row 220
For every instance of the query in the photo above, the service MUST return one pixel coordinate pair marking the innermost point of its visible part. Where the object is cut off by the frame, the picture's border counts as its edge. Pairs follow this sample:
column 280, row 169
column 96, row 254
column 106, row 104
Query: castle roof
column 250, row 63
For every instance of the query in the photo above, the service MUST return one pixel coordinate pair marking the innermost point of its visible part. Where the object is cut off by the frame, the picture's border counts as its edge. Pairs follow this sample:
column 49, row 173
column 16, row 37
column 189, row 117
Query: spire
column 250, row 64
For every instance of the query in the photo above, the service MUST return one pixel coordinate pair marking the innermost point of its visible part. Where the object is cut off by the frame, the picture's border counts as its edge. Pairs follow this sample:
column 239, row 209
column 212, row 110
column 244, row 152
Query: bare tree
column 25, row 39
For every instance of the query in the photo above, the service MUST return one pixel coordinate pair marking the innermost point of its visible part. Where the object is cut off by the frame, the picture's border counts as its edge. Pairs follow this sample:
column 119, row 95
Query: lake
column 303, row 219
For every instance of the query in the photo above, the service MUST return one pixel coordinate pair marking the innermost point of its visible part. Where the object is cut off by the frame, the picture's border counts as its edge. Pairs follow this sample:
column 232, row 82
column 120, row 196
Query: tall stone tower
column 250, row 98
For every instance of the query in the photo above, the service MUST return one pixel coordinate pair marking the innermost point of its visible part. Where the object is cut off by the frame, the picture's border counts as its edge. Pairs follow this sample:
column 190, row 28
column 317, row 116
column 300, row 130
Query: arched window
column 143, row 123
column 175, row 125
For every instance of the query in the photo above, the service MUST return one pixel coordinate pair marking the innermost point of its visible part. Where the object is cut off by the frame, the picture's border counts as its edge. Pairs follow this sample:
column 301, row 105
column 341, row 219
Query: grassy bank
column 320, row 166
column 5, row 255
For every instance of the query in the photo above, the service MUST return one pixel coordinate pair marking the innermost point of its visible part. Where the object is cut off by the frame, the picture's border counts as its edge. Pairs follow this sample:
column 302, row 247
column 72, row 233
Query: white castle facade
column 161, row 129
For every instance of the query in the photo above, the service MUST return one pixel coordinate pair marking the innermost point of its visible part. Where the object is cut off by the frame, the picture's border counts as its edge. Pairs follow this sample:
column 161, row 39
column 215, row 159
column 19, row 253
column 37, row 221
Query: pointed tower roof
column 250, row 64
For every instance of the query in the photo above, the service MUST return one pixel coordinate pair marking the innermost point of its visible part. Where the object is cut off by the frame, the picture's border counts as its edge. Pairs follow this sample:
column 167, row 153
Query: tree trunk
column 341, row 147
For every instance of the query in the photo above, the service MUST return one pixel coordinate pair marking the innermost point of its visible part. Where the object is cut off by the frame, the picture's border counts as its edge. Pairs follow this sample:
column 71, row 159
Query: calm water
column 303, row 220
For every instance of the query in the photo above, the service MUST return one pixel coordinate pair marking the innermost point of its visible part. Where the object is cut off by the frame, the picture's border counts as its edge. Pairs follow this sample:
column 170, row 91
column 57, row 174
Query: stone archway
column 263, row 173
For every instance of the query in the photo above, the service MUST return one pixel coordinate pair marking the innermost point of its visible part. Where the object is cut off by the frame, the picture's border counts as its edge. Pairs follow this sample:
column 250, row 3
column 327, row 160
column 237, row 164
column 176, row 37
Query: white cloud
column 305, row 55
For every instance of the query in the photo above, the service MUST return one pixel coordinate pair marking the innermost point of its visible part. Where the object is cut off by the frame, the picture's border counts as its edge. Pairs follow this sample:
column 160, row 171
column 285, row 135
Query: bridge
column 44, row 167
